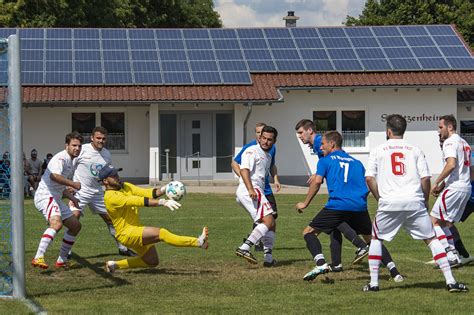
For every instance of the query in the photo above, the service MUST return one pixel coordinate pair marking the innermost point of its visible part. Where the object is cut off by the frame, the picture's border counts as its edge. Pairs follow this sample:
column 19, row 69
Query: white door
column 196, row 146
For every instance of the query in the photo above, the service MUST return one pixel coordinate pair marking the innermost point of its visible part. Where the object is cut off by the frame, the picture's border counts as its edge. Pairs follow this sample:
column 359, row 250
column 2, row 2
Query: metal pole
column 199, row 169
column 16, row 147
column 168, row 175
column 156, row 170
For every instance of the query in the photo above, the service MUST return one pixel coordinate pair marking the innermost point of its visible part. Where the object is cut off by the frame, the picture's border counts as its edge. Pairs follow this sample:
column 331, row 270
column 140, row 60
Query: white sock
column 268, row 240
column 441, row 259
column 449, row 237
column 46, row 239
column 120, row 246
column 375, row 257
column 258, row 232
column 68, row 241
column 441, row 237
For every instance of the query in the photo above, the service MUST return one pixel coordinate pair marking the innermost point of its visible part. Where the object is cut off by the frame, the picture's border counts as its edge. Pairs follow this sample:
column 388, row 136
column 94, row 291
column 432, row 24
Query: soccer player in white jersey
column 93, row 157
column 51, row 189
column 398, row 176
column 254, row 167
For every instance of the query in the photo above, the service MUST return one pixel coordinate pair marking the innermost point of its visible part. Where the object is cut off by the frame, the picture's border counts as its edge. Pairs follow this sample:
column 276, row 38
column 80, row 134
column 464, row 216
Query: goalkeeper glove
column 171, row 204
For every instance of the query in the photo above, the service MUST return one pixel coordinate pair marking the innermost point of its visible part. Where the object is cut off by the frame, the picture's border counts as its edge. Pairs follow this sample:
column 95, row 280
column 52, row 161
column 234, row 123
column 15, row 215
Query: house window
column 324, row 121
column 115, row 125
column 467, row 131
column 350, row 123
column 113, row 122
column 83, row 123
column 353, row 128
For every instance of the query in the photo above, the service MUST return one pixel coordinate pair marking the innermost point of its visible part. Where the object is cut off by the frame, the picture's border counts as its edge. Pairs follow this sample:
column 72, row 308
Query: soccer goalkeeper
column 122, row 201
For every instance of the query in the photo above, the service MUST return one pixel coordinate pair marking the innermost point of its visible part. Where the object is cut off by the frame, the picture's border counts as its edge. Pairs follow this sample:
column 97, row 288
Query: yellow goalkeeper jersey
column 122, row 205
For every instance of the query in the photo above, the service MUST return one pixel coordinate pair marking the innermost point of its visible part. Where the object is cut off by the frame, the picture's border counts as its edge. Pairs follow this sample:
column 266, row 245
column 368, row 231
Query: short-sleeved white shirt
column 89, row 163
column 398, row 168
column 258, row 162
column 458, row 148
column 61, row 164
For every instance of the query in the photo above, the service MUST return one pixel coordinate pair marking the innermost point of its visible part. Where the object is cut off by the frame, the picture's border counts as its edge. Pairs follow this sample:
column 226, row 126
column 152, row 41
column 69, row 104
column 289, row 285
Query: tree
column 409, row 12
column 108, row 13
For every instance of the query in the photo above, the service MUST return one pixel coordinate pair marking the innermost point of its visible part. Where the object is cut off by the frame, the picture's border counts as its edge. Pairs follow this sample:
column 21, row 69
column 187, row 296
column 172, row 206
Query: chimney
column 290, row 19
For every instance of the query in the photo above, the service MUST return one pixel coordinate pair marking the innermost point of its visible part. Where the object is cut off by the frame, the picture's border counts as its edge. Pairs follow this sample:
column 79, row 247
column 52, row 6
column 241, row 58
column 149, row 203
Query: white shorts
column 256, row 208
column 450, row 205
column 51, row 206
column 416, row 223
column 94, row 201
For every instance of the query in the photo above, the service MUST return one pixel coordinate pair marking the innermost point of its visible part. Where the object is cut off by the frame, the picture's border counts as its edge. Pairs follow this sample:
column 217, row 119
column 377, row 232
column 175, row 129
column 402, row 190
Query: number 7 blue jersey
column 345, row 179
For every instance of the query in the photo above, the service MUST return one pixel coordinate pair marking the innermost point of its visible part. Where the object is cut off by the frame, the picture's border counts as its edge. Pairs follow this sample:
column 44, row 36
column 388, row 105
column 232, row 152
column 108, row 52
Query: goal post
column 12, row 256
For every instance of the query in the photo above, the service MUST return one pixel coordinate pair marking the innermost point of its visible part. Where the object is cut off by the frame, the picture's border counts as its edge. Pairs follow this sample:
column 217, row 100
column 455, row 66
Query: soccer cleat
column 246, row 255
column 466, row 260
column 431, row 262
column 316, row 271
column 62, row 264
column 110, row 266
column 398, row 278
column 39, row 262
column 203, row 238
column 337, row 268
column 270, row 264
column 457, row 287
column 369, row 288
column 360, row 254
column 127, row 252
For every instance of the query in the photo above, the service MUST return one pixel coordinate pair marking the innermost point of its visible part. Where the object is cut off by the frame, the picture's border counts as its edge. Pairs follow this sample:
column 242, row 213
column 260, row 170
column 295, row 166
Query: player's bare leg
column 266, row 224
column 73, row 228
column 55, row 225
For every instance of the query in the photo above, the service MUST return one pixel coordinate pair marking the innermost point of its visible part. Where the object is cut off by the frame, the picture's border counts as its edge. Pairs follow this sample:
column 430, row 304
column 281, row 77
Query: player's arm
column 448, row 168
column 245, row 173
column 372, row 184
column 276, row 180
column 312, row 191
column 426, row 188
column 65, row 181
column 235, row 167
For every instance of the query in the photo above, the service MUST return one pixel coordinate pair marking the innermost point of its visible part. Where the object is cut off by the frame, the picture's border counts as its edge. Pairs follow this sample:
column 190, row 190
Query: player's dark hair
column 449, row 120
column 74, row 135
column 306, row 124
column 100, row 129
column 335, row 137
column 397, row 123
column 270, row 129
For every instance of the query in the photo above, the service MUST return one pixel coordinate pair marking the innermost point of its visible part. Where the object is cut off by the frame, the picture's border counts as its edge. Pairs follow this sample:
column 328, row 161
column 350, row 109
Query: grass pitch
column 194, row 281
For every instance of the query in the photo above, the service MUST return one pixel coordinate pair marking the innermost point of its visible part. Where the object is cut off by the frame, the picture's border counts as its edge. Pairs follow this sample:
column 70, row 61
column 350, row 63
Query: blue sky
column 261, row 13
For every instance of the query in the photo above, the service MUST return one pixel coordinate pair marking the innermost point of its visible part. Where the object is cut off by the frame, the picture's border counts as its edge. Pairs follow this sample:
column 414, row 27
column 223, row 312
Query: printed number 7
column 345, row 166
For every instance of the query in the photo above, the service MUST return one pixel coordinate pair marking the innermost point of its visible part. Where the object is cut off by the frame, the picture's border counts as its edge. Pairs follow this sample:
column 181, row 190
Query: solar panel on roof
column 347, row 65
column 318, row 65
column 177, row 77
column 166, row 56
column 200, row 77
column 289, row 65
column 433, row 63
column 461, row 63
column 236, row 77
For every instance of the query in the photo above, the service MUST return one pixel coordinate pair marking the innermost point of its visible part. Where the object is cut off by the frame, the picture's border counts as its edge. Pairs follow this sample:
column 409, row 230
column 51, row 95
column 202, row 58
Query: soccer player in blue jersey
column 268, row 189
column 347, row 201
column 306, row 131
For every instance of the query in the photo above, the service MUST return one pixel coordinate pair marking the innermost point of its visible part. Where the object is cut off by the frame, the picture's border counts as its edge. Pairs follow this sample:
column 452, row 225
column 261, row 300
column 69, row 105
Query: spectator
column 49, row 156
column 34, row 169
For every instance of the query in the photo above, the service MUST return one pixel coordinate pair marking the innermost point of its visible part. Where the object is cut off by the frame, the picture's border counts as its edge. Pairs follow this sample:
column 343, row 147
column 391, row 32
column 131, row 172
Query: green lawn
column 194, row 281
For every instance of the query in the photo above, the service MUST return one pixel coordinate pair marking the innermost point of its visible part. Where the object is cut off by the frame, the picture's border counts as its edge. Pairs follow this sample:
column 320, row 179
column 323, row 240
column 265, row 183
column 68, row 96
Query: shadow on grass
column 84, row 263
column 420, row 285
column 170, row 271
column 290, row 248
column 288, row 262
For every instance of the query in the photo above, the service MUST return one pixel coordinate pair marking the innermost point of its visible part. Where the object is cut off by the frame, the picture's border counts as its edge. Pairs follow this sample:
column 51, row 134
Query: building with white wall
column 201, row 125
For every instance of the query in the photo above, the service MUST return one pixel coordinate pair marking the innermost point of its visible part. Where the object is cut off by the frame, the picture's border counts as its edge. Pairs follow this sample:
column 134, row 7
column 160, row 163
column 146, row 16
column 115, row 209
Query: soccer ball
column 175, row 190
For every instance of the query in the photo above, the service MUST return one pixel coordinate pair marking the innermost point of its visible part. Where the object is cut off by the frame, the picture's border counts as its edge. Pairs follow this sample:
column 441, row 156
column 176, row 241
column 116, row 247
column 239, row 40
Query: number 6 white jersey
column 457, row 147
column 398, row 168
